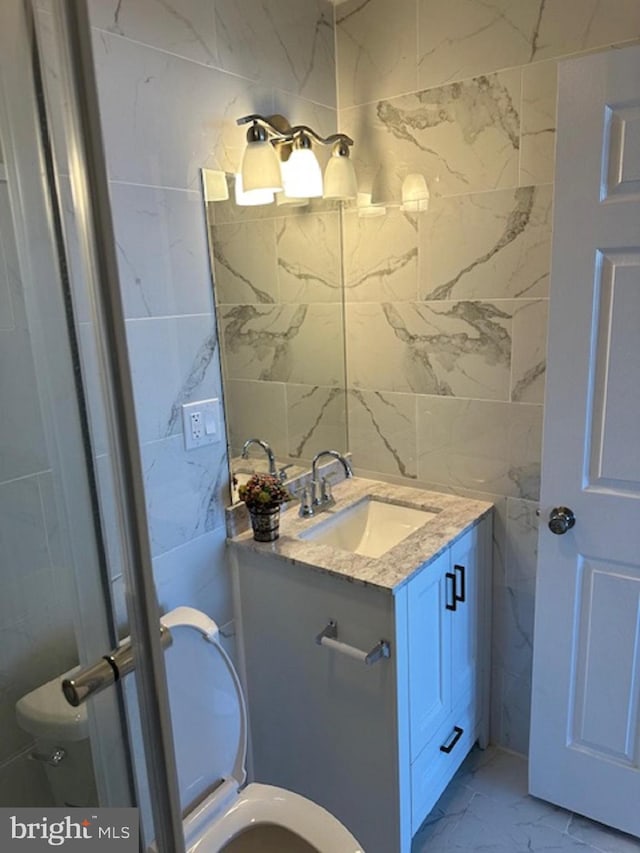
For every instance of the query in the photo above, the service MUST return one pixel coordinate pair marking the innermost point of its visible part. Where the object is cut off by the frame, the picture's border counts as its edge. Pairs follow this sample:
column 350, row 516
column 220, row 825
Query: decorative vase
column 265, row 523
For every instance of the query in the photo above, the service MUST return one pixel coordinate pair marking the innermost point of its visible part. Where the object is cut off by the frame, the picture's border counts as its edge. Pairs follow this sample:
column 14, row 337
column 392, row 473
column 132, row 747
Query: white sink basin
column 369, row 527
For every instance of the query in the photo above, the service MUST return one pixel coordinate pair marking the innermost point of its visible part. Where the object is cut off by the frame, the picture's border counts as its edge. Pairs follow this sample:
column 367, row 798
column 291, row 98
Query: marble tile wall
column 172, row 79
column 279, row 300
column 446, row 310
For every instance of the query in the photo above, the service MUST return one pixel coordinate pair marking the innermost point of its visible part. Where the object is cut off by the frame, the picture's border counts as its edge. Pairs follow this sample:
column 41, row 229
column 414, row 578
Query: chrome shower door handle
column 105, row 672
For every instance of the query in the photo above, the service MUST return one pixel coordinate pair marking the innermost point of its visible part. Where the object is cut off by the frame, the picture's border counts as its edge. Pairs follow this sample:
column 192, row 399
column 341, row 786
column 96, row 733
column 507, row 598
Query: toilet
column 62, row 745
column 209, row 718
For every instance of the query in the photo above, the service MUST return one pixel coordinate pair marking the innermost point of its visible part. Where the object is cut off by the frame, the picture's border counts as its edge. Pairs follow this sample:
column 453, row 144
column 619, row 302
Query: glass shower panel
column 61, row 604
column 51, row 556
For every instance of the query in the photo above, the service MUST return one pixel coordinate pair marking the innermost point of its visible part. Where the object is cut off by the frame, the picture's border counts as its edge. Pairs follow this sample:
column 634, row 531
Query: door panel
column 606, row 673
column 615, row 411
column 429, row 652
column 585, row 725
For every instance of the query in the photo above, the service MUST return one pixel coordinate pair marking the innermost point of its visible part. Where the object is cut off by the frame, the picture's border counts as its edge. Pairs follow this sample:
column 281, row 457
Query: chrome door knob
column 561, row 519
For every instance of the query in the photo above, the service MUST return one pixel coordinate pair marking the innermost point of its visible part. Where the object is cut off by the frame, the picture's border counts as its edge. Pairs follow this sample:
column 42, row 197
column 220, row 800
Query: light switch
column 201, row 423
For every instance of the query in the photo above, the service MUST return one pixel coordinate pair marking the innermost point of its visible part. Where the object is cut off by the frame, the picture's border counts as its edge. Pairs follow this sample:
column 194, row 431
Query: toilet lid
column 208, row 712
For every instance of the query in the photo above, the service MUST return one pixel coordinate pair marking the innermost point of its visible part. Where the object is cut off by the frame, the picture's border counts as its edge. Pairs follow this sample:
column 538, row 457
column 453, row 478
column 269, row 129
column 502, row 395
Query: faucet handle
column 282, row 474
column 326, row 495
column 306, row 503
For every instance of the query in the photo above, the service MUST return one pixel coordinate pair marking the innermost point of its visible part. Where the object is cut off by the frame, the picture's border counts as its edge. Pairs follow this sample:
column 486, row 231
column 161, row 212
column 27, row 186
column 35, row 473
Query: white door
column 585, row 737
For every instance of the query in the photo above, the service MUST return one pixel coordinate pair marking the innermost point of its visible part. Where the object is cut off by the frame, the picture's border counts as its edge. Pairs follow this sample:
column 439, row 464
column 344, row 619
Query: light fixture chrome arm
column 280, row 128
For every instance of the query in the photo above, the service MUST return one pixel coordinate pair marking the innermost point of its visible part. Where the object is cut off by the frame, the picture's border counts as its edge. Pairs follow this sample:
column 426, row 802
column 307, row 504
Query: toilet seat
column 265, row 804
column 209, row 721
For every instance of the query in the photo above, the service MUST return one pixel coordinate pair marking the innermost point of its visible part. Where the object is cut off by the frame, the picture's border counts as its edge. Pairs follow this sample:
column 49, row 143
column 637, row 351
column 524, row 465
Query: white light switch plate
column 201, row 423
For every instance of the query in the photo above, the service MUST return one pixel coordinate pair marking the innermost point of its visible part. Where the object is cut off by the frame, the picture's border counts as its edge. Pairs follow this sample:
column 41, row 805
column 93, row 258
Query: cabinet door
column 464, row 619
column 429, row 652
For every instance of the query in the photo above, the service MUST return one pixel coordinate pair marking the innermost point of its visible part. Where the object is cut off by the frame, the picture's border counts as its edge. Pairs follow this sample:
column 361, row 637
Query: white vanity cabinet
column 375, row 744
column 444, row 613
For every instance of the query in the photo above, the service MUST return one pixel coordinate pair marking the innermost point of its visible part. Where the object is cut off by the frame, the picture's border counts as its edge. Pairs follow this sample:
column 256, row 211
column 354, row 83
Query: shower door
column 66, row 598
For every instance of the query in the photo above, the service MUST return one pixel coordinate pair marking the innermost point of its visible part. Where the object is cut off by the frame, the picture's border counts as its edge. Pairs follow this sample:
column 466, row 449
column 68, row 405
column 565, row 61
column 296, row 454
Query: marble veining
column 490, row 244
column 271, row 346
column 486, row 806
column 526, row 479
column 379, row 409
column 183, row 490
column 381, row 257
column 392, row 570
column 536, row 30
column 518, row 219
column 464, row 137
column 194, row 379
column 377, row 49
column 473, row 106
column 316, row 402
column 284, row 343
column 531, row 377
column 484, row 445
column 222, row 260
column 538, row 132
column 185, row 27
column 308, row 258
column 294, row 41
column 465, row 37
column 445, row 348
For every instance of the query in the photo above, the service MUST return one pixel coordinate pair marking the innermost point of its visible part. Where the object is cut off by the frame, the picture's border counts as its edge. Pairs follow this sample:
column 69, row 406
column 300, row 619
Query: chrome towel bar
column 329, row 637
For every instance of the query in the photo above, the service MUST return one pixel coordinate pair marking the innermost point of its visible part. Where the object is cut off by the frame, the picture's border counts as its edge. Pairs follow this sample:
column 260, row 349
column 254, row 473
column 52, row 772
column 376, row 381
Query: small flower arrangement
column 264, row 492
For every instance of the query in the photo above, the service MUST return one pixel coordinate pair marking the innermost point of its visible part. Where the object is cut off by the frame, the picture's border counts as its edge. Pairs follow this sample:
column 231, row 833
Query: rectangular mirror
column 277, row 284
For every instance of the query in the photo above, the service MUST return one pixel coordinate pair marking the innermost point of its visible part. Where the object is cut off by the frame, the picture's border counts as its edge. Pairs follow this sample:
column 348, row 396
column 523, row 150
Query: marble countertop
column 391, row 570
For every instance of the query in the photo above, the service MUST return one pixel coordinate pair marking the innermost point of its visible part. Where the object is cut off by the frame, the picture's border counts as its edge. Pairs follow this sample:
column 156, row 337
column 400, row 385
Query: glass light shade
column 282, row 198
column 252, row 197
column 215, row 185
column 415, row 194
column 340, row 178
column 303, row 175
column 261, row 167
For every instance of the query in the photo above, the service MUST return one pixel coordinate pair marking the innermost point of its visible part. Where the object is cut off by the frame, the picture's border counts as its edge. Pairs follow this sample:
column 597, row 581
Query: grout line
column 208, row 65
column 504, row 70
column 34, row 475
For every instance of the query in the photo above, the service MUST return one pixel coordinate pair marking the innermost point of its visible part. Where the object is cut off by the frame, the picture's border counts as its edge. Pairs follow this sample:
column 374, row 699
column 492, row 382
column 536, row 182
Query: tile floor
column 486, row 807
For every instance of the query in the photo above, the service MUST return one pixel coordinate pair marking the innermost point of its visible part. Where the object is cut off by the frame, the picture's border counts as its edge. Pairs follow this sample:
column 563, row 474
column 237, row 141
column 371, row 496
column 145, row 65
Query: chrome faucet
column 267, row 449
column 320, row 497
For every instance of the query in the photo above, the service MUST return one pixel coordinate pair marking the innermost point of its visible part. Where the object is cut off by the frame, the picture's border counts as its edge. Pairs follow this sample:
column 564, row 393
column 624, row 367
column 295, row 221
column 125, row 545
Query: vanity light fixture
column 279, row 157
column 250, row 198
column 260, row 168
column 415, row 194
column 303, row 175
column 284, row 198
column 340, row 176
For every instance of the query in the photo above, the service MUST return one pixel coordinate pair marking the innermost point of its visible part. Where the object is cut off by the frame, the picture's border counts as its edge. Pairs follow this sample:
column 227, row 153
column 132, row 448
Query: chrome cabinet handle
column 561, row 519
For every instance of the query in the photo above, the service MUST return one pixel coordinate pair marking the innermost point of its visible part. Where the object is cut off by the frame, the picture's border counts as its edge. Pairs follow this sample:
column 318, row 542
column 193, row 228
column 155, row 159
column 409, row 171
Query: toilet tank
column 61, row 735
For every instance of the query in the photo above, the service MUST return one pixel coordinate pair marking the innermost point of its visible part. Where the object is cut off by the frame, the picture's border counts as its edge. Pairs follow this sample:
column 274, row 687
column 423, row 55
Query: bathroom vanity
column 367, row 662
